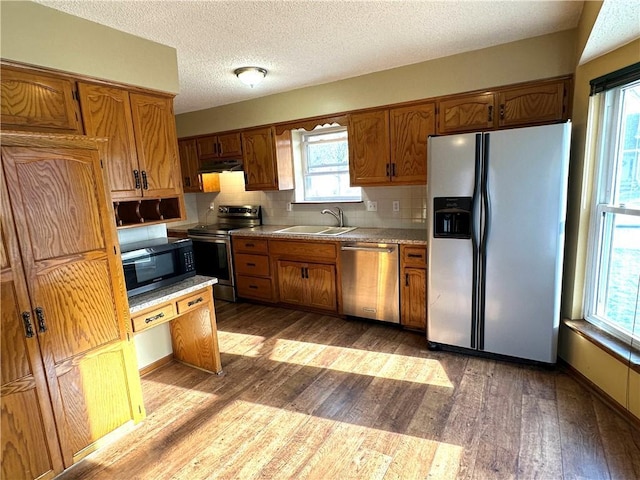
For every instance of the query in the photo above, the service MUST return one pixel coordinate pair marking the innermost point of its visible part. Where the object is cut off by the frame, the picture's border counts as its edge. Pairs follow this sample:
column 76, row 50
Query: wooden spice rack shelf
column 145, row 211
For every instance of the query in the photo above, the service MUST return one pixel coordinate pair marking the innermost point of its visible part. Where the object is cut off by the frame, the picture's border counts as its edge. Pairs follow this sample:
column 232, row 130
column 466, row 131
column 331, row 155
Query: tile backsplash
column 412, row 201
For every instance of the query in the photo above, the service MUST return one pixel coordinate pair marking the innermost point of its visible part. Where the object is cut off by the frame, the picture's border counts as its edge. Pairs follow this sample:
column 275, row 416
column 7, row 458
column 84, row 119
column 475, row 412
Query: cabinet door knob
column 406, row 279
column 490, row 109
column 136, row 176
column 502, row 111
column 42, row 326
column 145, row 183
column 28, row 327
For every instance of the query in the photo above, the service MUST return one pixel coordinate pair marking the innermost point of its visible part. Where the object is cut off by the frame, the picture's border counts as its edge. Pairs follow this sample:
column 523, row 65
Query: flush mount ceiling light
column 250, row 75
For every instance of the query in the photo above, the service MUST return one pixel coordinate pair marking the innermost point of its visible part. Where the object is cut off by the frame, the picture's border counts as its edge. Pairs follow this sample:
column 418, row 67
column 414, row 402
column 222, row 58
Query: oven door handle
column 209, row 239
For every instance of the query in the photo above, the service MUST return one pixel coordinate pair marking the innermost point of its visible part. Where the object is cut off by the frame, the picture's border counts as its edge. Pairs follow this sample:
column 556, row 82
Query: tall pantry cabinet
column 67, row 349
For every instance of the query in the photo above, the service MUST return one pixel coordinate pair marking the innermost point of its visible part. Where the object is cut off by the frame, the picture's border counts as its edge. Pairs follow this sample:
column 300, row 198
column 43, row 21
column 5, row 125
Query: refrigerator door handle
column 475, row 229
column 485, row 221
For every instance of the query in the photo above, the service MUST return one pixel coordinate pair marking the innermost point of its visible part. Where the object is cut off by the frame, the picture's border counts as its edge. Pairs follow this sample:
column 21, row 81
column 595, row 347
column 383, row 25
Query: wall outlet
column 396, row 206
column 212, row 206
column 289, row 206
column 372, row 206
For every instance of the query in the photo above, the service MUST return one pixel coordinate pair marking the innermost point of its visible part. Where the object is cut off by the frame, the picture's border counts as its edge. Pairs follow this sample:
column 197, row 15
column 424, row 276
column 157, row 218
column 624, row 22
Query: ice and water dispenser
column 452, row 217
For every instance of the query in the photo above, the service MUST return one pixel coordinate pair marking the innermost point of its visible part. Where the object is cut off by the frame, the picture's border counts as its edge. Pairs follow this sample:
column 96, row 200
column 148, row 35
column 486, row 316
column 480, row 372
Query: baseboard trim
column 155, row 365
column 601, row 394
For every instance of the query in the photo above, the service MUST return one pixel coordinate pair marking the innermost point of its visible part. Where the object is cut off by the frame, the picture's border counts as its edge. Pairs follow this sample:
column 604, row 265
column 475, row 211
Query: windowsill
column 606, row 342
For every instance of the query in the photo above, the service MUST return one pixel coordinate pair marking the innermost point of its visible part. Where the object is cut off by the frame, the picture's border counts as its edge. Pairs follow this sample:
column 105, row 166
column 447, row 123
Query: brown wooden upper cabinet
column 141, row 155
column 220, row 146
column 267, row 159
column 523, row 105
column 465, row 113
column 38, row 102
column 541, row 103
column 390, row 146
column 189, row 164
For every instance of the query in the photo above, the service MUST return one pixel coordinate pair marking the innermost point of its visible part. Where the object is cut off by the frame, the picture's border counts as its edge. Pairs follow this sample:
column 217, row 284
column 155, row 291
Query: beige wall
column 609, row 374
column 535, row 58
column 581, row 175
column 38, row 35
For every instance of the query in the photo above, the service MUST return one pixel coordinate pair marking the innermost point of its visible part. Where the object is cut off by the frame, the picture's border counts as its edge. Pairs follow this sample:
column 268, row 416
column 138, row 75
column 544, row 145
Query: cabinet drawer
column 250, row 245
column 154, row 317
column 303, row 249
column 193, row 301
column 414, row 256
column 254, row 287
column 247, row 264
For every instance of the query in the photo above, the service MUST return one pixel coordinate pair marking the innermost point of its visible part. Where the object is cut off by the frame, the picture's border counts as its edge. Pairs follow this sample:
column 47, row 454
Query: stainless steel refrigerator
column 496, row 204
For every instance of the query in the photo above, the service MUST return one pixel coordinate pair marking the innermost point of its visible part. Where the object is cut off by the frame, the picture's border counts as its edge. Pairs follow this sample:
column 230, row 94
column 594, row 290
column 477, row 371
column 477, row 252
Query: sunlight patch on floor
column 396, row 367
column 239, row 343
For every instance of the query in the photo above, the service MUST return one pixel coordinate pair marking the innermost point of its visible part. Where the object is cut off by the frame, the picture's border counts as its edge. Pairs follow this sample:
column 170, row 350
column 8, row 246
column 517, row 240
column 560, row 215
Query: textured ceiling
column 304, row 43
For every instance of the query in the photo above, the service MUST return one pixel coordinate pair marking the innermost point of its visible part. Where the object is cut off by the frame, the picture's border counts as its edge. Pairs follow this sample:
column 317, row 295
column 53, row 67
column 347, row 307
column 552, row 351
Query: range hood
column 222, row 165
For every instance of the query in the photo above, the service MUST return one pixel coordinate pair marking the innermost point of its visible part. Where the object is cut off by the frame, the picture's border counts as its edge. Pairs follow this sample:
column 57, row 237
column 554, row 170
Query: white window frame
column 604, row 125
column 301, row 196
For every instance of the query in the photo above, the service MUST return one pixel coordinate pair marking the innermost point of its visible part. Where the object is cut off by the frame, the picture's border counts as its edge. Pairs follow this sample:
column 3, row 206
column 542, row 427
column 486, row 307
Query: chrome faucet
column 339, row 216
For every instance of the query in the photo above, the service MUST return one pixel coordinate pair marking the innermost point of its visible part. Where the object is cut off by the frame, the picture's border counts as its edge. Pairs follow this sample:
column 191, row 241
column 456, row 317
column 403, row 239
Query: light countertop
column 143, row 301
column 376, row 235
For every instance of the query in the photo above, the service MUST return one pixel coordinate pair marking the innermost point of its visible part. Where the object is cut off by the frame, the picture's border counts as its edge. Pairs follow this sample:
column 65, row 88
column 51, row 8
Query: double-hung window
column 612, row 296
column 325, row 166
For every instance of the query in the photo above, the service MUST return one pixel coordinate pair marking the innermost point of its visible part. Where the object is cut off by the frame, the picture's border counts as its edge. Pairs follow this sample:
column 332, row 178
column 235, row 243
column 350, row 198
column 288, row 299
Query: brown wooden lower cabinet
column 307, row 284
column 413, row 286
column 194, row 334
column 69, row 373
column 253, row 269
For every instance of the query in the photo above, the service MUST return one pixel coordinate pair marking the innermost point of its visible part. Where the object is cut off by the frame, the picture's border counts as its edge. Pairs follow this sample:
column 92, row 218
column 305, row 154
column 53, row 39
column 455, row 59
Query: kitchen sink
column 316, row 230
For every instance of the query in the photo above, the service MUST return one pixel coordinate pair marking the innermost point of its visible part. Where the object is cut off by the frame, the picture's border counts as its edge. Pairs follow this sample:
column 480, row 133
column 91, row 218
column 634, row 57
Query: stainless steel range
column 212, row 245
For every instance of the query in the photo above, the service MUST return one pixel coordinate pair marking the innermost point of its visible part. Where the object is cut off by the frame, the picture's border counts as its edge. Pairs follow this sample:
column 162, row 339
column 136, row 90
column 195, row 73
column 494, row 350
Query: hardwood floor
column 312, row 396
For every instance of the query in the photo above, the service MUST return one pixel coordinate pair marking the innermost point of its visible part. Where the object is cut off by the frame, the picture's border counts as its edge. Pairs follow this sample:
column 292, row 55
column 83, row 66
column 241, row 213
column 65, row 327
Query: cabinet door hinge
column 101, row 164
column 128, row 337
column 140, row 409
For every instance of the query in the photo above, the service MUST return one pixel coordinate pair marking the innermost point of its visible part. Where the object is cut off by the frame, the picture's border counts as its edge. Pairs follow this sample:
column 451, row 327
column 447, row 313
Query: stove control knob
column 223, row 209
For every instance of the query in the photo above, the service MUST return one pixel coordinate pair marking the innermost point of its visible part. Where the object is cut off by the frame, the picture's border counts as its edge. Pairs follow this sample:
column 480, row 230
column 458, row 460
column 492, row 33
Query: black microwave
column 156, row 263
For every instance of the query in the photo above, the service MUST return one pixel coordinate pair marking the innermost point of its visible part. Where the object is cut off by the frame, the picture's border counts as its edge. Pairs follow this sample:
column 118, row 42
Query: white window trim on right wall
column 604, row 129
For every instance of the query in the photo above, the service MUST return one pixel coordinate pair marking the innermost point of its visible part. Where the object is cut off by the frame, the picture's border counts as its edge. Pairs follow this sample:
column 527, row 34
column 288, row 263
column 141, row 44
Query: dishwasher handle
column 368, row 249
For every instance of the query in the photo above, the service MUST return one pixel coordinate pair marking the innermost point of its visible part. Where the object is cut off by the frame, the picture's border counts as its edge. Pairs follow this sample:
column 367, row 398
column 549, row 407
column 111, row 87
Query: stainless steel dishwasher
column 370, row 280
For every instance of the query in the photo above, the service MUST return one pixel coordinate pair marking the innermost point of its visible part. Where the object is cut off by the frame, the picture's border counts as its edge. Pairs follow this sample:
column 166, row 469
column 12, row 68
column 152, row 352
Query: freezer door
column 527, row 176
column 451, row 164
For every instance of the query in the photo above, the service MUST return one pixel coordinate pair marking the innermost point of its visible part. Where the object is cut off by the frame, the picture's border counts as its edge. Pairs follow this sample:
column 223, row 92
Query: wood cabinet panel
column 369, row 148
column 42, row 195
column 192, row 301
column 30, row 447
column 321, row 288
column 413, row 290
column 95, row 399
column 37, row 101
column 156, row 142
column 154, row 317
column 307, row 284
column 247, row 264
column 464, row 113
column 106, row 113
column 220, row 146
column 250, row 245
column 230, row 145
column 76, row 286
column 414, row 256
column 195, row 338
column 254, row 287
column 259, row 159
column 323, row 250
column 410, row 127
column 414, row 309
column 267, row 159
column 291, row 286
column 189, row 165
column 530, row 105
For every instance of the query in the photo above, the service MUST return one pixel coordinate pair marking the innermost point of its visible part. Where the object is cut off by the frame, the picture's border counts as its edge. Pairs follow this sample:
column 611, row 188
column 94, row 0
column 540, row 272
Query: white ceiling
column 310, row 42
